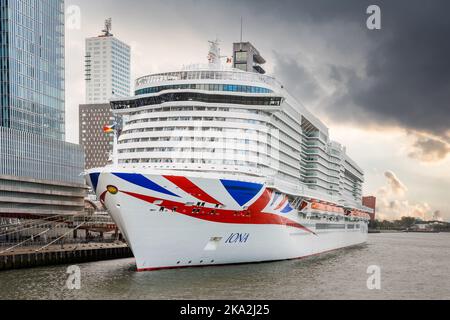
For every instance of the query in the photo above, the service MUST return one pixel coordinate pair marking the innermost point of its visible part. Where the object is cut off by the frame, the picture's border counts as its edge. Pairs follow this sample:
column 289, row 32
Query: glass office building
column 33, row 151
column 32, row 55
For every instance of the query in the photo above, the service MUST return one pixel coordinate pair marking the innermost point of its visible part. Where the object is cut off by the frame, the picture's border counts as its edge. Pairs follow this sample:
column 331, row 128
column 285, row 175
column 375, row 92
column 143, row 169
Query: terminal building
column 40, row 173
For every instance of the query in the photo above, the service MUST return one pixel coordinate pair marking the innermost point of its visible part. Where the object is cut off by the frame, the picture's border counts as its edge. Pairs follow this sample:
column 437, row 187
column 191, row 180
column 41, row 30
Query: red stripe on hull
column 252, row 215
column 103, row 197
column 188, row 186
column 282, row 203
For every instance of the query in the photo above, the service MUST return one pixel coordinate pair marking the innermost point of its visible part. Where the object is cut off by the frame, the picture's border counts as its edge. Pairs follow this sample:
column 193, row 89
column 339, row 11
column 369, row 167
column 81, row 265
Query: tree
column 407, row 222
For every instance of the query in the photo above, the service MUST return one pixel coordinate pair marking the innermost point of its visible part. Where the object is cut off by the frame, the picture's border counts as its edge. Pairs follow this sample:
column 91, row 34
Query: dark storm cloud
column 406, row 78
column 300, row 79
column 402, row 78
column 408, row 74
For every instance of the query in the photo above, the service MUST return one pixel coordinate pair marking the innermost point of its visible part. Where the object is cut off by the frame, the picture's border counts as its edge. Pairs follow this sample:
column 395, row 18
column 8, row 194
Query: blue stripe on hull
column 287, row 209
column 94, row 180
column 142, row 181
column 242, row 192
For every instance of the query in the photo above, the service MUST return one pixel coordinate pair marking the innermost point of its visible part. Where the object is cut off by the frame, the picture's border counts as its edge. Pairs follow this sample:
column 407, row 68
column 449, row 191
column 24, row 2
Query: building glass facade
column 32, row 91
column 40, row 173
column 32, row 66
column 33, row 156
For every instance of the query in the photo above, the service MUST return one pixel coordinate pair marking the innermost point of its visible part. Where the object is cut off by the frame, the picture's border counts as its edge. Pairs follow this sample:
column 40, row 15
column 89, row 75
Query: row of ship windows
column 291, row 170
column 316, row 182
column 221, row 119
column 224, row 141
column 209, row 75
column 226, row 130
column 319, row 150
column 194, row 108
column 206, row 150
column 205, row 87
column 326, row 185
column 201, row 129
column 313, row 173
column 329, row 160
column 199, row 139
column 146, row 101
column 321, row 176
column 319, row 165
column 247, row 162
column 261, row 153
column 172, row 109
column 195, row 161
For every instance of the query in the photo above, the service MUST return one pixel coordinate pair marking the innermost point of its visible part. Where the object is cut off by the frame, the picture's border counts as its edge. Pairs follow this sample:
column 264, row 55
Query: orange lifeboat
column 327, row 208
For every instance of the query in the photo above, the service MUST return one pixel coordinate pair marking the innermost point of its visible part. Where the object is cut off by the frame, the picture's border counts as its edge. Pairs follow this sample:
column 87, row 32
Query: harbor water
column 411, row 265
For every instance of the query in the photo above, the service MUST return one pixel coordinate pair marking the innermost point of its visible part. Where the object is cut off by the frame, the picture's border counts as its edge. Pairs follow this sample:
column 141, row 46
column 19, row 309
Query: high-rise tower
column 107, row 76
column 39, row 171
column 107, row 67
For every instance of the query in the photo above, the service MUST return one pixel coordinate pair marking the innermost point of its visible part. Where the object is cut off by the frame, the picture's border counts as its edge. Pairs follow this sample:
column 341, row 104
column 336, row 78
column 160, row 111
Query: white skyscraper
column 107, row 67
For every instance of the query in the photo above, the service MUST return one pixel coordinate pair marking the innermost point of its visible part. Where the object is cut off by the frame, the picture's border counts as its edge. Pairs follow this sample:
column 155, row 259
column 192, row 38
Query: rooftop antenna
column 108, row 28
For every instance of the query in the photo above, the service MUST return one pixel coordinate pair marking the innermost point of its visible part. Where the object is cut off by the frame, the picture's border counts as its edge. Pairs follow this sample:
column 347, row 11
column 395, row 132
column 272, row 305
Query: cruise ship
column 218, row 164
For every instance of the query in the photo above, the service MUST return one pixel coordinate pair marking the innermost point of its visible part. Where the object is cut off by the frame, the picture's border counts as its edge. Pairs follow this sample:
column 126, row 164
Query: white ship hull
column 169, row 223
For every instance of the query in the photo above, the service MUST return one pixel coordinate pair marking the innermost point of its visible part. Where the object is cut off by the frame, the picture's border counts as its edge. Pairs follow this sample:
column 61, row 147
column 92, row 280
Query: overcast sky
column 385, row 93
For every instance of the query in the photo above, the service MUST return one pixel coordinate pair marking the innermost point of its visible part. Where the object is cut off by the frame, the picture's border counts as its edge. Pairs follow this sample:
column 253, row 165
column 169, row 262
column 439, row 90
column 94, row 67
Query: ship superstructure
column 219, row 165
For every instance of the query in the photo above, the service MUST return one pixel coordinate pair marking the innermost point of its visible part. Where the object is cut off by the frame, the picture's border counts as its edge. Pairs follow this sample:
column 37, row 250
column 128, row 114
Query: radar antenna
column 214, row 57
column 214, row 53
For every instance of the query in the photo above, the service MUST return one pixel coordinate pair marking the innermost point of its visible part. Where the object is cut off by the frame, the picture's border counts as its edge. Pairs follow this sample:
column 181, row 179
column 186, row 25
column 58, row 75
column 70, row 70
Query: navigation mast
column 214, row 53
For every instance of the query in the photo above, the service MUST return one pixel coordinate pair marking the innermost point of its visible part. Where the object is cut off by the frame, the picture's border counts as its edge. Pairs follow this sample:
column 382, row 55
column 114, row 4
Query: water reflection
column 413, row 266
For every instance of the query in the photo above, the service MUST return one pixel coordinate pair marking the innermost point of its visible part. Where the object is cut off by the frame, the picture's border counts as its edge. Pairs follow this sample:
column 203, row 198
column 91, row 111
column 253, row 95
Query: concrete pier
column 69, row 254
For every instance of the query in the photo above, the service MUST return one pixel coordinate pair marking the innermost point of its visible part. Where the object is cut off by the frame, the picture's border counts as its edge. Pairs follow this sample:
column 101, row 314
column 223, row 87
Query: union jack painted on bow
column 228, row 201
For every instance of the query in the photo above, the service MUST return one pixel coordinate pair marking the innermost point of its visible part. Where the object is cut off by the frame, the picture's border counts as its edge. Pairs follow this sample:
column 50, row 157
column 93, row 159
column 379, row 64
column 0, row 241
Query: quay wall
column 39, row 259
